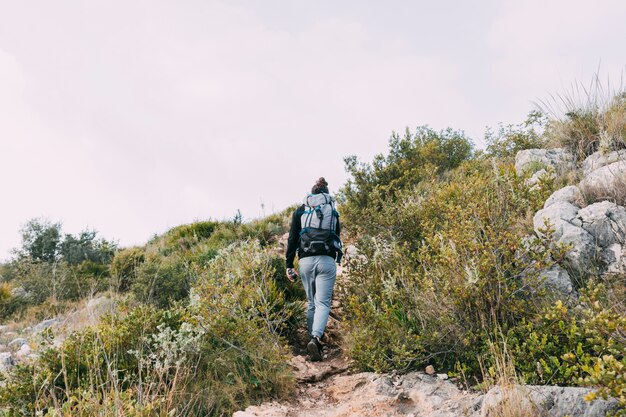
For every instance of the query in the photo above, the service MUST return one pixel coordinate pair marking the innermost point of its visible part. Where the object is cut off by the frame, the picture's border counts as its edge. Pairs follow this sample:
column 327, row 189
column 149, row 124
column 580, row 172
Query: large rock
column 530, row 161
column 23, row 351
column 599, row 159
column 606, row 221
column 559, row 215
column 6, row 361
column 570, row 194
column 558, row 280
column 605, row 183
column 546, row 401
column 563, row 218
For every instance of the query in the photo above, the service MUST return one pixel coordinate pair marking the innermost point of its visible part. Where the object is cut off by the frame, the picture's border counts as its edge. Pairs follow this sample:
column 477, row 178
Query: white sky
column 131, row 117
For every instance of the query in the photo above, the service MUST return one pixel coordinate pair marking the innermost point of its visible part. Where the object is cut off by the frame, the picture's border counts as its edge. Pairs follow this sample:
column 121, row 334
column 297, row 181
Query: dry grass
column 587, row 119
column 513, row 397
column 615, row 193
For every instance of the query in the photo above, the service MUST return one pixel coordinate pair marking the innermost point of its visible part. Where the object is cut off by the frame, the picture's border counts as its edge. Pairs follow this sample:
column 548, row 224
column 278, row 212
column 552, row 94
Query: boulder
column 570, row 194
column 559, row 215
column 599, row 159
column 530, row 161
column 6, row 361
column 558, row 280
column 605, row 183
column 23, row 351
column 615, row 259
column 606, row 221
column 563, row 218
column 549, row 401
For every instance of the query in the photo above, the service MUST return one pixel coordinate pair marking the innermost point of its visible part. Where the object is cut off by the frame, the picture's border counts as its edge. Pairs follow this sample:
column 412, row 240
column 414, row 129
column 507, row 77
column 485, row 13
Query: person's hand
column 292, row 274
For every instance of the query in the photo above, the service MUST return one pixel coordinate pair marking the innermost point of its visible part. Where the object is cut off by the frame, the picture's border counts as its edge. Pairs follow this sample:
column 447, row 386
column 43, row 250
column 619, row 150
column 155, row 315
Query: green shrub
column 124, row 267
column 163, row 280
column 436, row 247
column 583, row 345
column 187, row 362
column 510, row 139
column 249, row 281
column 411, row 159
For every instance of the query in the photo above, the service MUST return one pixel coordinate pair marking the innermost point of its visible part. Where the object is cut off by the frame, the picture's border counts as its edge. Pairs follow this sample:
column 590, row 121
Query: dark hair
column 321, row 186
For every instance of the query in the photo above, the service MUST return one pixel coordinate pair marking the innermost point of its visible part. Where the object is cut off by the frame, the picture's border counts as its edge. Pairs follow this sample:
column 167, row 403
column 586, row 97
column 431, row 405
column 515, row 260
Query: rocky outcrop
column 599, row 159
column 530, row 161
column 563, row 218
column 607, row 182
column 545, row 401
column 570, row 194
column 594, row 233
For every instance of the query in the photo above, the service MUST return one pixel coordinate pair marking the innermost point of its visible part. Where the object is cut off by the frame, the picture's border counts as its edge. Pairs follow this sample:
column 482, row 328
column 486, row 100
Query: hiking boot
column 314, row 347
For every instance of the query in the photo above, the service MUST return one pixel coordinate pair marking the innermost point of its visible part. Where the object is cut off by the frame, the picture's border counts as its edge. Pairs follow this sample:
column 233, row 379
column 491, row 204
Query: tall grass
column 587, row 118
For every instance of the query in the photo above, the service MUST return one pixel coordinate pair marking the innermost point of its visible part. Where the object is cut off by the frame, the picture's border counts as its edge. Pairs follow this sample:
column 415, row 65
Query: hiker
column 314, row 235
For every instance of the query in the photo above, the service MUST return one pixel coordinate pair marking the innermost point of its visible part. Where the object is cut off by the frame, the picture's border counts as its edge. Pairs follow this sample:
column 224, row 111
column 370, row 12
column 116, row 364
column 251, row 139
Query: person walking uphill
column 314, row 235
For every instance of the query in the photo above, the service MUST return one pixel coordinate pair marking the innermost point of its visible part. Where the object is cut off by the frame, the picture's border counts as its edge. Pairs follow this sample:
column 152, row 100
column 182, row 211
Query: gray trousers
column 318, row 274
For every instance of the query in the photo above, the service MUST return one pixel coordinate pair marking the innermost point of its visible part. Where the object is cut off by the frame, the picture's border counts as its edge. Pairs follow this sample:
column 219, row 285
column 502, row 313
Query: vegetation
column 446, row 274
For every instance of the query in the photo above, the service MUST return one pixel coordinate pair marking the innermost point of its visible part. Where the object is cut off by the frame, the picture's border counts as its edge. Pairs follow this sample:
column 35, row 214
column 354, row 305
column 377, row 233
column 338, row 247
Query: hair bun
column 321, row 186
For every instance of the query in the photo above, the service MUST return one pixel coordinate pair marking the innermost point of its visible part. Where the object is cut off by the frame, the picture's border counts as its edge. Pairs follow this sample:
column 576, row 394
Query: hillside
column 502, row 270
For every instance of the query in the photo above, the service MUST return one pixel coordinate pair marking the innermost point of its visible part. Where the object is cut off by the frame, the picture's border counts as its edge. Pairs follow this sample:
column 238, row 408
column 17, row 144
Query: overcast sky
column 131, row 117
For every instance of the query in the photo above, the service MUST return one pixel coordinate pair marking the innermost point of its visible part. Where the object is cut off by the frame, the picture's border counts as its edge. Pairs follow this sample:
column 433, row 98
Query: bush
column 411, row 159
column 413, row 288
column 509, row 140
column 184, row 362
column 587, row 119
column 163, row 280
column 566, row 346
column 124, row 267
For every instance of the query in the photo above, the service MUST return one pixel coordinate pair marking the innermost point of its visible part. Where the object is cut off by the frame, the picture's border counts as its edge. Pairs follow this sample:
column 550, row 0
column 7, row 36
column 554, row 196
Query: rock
column 529, row 161
column 3, row 328
column 563, row 218
column 442, row 376
column 17, row 343
column 430, row 370
column 534, row 181
column 606, row 221
column 44, row 325
column 570, row 194
column 559, row 215
column 6, row 361
column 615, row 259
column 605, row 183
column 546, row 401
column 558, row 280
column 598, row 160
column 24, row 351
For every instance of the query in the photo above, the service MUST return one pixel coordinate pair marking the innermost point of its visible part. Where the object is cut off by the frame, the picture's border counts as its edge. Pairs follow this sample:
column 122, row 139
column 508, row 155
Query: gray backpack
column 319, row 223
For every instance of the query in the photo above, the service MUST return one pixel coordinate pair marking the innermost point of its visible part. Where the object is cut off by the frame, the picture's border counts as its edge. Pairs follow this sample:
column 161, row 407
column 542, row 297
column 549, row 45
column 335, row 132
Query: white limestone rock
column 599, row 159
column 530, row 161
column 605, row 182
column 570, row 194
column 606, row 221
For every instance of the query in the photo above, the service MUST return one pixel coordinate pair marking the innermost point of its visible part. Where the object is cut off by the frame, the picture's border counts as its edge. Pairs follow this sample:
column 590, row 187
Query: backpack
column 319, row 223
